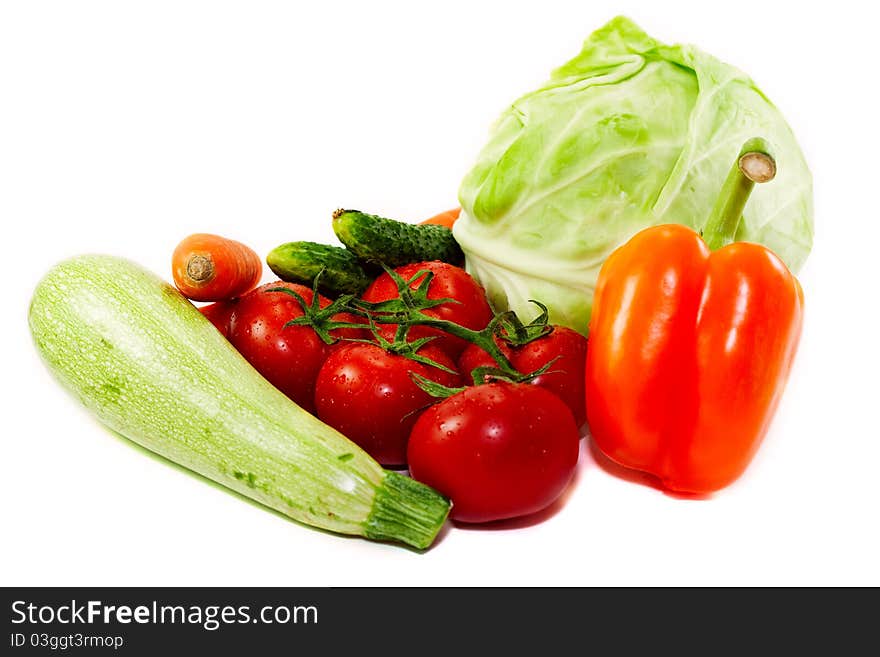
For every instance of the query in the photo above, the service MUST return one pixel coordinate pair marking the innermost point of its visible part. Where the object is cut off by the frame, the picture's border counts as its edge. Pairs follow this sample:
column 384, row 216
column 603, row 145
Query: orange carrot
column 212, row 268
column 444, row 218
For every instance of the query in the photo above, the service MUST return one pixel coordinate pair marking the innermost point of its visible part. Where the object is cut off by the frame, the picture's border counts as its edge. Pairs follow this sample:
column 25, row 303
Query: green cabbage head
column 629, row 134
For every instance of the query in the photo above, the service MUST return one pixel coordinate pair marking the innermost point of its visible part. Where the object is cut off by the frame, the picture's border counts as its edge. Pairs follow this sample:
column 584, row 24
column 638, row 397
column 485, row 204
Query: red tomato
column 498, row 450
column 220, row 314
column 289, row 357
column 449, row 281
column 566, row 375
column 367, row 394
column 473, row 357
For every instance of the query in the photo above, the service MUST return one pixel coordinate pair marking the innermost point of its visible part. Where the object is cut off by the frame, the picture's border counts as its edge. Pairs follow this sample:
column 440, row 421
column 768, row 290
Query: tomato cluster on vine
column 420, row 373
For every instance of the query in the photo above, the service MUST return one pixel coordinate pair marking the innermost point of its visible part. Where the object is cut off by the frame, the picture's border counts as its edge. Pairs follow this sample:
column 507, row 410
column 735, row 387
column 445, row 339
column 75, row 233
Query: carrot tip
column 200, row 268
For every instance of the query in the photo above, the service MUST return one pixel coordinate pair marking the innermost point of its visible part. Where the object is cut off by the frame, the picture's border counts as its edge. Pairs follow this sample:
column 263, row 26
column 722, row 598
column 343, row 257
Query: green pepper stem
column 754, row 164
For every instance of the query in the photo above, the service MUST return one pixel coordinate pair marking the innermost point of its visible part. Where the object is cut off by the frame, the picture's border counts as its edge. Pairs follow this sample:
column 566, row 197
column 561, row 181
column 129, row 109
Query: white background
column 126, row 126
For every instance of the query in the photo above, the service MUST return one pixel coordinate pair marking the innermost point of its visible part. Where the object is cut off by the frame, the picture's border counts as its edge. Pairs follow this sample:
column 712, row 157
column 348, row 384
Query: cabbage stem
column 754, row 164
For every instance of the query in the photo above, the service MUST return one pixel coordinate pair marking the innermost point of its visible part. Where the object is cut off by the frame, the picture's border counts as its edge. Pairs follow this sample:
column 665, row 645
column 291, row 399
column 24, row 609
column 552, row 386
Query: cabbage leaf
column 630, row 133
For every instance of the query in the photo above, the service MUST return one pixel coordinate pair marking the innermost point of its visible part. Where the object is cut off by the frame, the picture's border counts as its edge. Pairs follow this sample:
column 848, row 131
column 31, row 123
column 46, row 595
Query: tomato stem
column 407, row 310
column 517, row 334
column 403, row 347
column 754, row 164
column 321, row 320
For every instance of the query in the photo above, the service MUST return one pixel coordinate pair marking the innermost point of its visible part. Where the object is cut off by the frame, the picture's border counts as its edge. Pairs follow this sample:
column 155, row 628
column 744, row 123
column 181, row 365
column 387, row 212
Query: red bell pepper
column 690, row 348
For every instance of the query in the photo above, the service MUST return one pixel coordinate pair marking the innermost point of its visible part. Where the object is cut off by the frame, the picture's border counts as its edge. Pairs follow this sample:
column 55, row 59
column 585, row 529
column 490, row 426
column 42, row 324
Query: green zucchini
column 394, row 243
column 146, row 362
column 300, row 262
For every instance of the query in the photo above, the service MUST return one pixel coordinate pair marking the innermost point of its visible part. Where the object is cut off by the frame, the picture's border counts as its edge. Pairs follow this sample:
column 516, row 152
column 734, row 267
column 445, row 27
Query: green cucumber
column 300, row 262
column 146, row 362
column 394, row 243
